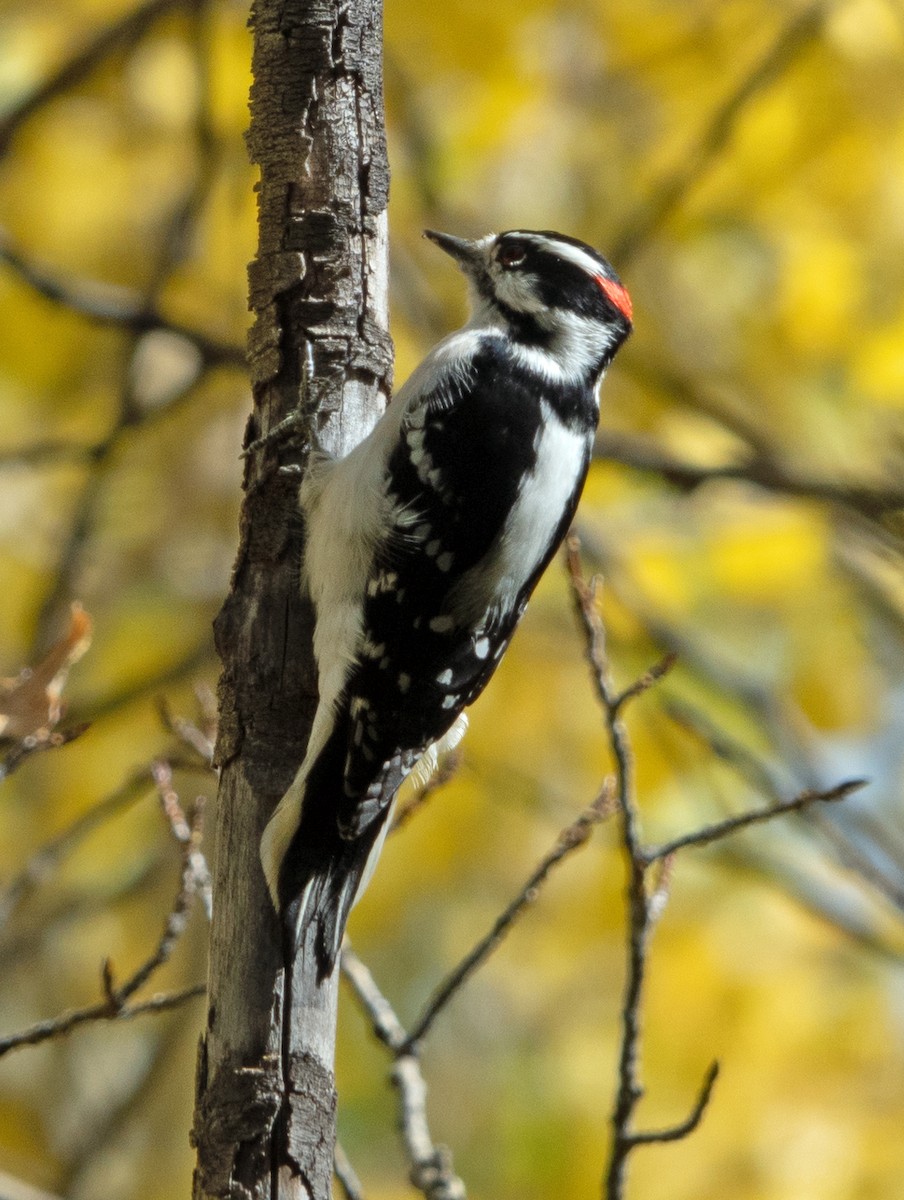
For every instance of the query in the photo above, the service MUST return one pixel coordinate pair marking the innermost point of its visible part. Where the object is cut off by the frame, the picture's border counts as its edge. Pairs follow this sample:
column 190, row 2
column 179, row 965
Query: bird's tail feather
column 325, row 905
column 313, row 872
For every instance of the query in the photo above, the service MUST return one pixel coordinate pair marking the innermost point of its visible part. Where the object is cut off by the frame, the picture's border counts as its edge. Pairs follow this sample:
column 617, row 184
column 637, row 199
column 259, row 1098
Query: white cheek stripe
column 572, row 254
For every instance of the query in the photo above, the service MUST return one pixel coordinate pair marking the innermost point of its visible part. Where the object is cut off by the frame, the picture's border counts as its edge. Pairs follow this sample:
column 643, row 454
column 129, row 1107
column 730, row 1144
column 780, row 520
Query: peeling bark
column 320, row 356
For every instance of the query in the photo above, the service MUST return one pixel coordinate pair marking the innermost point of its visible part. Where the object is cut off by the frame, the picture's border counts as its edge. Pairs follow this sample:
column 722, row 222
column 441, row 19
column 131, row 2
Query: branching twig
column 441, row 776
column 115, row 998
column 674, row 1133
column 103, row 1011
column 431, row 1165
column 645, row 905
column 188, row 831
column 186, row 731
column 643, row 910
column 20, row 751
column 386, row 1025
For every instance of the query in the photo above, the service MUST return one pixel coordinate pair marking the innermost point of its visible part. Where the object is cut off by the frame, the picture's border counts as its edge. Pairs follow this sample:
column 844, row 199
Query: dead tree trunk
column 320, row 356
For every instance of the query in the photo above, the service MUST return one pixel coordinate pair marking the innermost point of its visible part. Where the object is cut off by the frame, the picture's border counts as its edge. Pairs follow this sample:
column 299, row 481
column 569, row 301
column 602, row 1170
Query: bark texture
column 319, row 351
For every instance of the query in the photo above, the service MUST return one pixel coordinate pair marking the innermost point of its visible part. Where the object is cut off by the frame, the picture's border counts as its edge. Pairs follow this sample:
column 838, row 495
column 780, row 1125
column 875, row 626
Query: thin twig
column 675, row 1133
column 115, row 998
column 440, row 777
column 44, row 861
column 187, row 731
column 761, row 775
column 386, row 1025
column 173, row 928
column 187, row 830
column 643, row 909
column 570, row 839
column 20, row 751
column 430, row 1165
column 649, row 679
column 103, row 1011
column 721, row 829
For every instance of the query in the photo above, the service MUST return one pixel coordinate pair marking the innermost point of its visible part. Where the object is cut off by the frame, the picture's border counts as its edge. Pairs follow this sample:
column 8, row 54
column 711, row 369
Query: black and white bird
column 425, row 543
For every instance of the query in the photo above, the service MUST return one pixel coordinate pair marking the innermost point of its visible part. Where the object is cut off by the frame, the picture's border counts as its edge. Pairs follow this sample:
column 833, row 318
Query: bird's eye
column 512, row 255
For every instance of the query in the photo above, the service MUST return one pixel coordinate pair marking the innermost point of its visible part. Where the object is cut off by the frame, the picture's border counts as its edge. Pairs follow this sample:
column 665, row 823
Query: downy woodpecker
column 425, row 543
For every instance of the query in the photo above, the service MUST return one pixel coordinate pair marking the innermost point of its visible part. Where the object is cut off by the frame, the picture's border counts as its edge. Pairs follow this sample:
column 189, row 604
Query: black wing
column 456, row 475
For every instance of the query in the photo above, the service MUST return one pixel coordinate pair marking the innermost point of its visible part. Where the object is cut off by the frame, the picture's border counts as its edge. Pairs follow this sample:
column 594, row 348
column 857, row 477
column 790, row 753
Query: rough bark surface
column 319, row 350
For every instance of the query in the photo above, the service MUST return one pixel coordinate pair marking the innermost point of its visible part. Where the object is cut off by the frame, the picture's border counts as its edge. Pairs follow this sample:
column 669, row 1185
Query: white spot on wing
column 482, row 647
column 444, row 677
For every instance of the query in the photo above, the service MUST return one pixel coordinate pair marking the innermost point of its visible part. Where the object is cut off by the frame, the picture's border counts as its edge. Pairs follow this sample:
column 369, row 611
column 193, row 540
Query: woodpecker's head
column 547, row 291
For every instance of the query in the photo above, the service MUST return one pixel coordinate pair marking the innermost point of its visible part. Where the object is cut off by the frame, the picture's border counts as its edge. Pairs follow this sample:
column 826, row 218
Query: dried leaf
column 30, row 704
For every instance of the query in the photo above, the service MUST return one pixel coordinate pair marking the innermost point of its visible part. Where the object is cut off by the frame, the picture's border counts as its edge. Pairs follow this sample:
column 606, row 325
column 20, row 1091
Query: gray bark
column 265, row 1114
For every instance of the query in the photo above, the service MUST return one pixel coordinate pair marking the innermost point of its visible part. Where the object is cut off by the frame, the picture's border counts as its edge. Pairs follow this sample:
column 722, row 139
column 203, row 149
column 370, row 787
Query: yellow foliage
column 767, row 553
column 878, row 364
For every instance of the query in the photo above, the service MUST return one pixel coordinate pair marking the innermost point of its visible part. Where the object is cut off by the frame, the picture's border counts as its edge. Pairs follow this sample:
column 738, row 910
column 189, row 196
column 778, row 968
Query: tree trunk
column 319, row 352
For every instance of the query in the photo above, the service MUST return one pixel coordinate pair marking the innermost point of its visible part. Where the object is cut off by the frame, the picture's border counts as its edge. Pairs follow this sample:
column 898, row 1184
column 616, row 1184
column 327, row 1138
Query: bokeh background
column 740, row 162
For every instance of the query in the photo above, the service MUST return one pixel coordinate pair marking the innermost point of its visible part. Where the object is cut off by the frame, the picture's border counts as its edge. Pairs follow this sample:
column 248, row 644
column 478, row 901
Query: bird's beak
column 468, row 255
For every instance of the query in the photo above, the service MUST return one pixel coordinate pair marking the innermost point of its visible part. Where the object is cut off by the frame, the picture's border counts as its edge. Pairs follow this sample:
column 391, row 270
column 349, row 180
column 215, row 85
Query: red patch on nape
column 617, row 294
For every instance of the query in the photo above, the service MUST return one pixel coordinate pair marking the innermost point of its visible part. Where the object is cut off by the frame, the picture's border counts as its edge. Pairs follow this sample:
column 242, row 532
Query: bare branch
column 431, row 1165
column 643, row 909
column 446, row 770
column 676, row 1132
column 104, row 1011
column 19, row 752
column 570, row 839
column 46, row 860
column 199, row 740
column 645, row 682
column 645, row 906
column 386, row 1025
column 115, row 998
column 188, row 831
column 721, row 829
